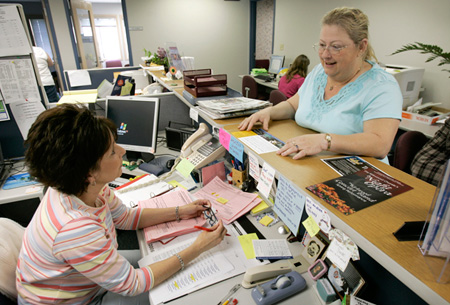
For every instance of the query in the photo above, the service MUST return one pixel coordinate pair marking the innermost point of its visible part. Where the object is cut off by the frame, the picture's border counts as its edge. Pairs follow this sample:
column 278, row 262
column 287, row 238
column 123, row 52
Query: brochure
column 360, row 190
column 347, row 165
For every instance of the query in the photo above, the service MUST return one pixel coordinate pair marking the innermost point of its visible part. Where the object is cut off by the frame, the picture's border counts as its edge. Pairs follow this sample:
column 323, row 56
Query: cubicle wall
column 97, row 76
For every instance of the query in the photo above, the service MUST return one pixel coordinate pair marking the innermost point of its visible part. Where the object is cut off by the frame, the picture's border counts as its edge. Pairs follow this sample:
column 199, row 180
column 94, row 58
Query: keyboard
column 265, row 77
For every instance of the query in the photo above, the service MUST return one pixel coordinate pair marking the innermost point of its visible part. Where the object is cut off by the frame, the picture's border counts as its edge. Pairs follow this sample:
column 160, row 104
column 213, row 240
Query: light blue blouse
column 374, row 94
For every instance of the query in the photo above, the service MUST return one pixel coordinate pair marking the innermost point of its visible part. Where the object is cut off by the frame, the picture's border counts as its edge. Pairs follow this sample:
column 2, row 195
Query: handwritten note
column 311, row 226
column 236, row 149
column 289, row 204
column 266, row 180
column 320, row 215
column 254, row 169
column 339, row 254
column 224, row 138
column 185, row 167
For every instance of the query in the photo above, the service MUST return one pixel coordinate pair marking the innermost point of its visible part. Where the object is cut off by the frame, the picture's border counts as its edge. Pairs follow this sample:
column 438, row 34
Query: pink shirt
column 69, row 251
column 290, row 88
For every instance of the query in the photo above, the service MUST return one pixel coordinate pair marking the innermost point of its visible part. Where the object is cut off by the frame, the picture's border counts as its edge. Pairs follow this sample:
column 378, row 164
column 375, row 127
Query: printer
column 409, row 80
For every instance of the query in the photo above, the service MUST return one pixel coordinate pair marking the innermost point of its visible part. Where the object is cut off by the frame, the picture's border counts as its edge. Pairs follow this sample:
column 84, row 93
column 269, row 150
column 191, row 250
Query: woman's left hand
column 301, row 146
column 194, row 209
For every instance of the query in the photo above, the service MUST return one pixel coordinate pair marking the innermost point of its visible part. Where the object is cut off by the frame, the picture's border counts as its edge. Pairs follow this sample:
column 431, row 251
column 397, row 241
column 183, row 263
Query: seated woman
column 349, row 99
column 294, row 77
column 69, row 252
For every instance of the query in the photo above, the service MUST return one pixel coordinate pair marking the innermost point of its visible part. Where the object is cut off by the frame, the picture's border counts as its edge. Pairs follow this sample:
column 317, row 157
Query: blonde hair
column 355, row 23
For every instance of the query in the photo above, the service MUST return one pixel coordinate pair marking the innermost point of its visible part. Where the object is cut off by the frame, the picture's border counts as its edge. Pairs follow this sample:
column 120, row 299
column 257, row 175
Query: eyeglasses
column 210, row 216
column 333, row 49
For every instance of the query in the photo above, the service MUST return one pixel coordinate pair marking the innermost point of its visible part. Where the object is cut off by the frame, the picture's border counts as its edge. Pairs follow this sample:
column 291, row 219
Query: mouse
column 282, row 230
column 170, row 163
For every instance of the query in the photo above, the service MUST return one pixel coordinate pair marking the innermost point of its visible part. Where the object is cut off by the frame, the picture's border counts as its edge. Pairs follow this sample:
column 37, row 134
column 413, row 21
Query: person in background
column 348, row 98
column 44, row 62
column 295, row 76
column 69, row 251
column 429, row 163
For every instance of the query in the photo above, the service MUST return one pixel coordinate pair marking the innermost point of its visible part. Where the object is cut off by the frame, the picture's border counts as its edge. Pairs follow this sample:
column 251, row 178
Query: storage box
column 429, row 120
column 201, row 83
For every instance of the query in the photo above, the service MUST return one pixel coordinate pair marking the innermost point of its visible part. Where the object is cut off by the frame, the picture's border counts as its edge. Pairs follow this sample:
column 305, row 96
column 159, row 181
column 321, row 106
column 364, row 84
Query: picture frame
column 349, row 279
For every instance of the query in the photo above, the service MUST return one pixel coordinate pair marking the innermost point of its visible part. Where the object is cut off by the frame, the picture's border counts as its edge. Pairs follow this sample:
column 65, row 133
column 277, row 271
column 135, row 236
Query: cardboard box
column 429, row 120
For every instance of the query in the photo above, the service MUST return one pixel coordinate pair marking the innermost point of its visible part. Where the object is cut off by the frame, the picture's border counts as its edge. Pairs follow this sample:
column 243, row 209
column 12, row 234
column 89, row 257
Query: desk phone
column 202, row 148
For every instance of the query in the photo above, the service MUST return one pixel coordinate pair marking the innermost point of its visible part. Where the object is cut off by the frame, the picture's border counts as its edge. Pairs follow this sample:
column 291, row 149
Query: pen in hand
column 207, row 229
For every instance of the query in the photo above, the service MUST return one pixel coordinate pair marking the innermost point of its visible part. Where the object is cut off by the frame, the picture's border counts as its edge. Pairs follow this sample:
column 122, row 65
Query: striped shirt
column 69, row 251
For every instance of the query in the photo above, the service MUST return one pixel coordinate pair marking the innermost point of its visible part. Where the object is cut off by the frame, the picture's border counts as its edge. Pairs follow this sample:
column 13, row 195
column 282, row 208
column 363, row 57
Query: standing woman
column 69, row 251
column 353, row 104
column 294, row 77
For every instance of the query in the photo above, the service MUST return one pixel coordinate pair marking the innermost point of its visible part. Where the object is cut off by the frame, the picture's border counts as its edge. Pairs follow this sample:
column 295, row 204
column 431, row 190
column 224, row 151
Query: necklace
column 332, row 86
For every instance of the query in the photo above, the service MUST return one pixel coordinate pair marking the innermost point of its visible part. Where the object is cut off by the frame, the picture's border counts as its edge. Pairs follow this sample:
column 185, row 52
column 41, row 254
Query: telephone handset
column 202, row 148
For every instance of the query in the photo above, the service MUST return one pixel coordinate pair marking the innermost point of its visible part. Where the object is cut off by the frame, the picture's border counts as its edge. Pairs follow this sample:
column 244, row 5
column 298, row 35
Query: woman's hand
column 262, row 116
column 301, row 146
column 194, row 209
column 208, row 240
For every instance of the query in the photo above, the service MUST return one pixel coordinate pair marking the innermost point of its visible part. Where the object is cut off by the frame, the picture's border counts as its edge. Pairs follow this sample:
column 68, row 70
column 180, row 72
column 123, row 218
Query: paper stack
column 170, row 229
column 231, row 107
column 229, row 202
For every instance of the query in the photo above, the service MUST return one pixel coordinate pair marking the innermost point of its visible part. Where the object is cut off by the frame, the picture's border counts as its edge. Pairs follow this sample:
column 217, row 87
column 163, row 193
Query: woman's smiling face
column 339, row 66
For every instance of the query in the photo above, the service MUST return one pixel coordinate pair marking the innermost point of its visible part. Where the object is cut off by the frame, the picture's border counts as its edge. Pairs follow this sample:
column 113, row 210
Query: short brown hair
column 355, row 23
column 64, row 144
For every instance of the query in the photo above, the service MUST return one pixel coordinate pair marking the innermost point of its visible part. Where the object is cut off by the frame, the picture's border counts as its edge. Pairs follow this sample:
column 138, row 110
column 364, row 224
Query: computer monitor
column 276, row 63
column 136, row 119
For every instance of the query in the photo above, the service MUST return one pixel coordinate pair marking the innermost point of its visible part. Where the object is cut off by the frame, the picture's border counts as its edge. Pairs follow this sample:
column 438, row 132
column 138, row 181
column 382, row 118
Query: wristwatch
column 328, row 138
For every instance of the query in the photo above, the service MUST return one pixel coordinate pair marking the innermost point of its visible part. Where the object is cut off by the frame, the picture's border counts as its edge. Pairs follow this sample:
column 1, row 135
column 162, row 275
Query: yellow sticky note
column 247, row 244
column 185, row 167
column 266, row 220
column 311, row 226
column 175, row 183
column 245, row 133
column 222, row 200
column 260, row 207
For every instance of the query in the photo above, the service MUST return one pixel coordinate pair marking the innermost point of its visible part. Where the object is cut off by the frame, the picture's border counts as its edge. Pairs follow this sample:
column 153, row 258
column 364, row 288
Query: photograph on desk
column 357, row 191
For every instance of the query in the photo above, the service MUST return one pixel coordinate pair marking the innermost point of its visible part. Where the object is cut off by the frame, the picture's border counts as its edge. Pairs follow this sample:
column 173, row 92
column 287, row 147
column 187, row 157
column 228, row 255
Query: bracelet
column 177, row 213
column 328, row 138
column 181, row 261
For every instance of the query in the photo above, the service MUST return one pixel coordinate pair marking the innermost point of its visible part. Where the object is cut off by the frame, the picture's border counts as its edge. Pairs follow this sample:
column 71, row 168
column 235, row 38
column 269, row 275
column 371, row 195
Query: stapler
column 261, row 274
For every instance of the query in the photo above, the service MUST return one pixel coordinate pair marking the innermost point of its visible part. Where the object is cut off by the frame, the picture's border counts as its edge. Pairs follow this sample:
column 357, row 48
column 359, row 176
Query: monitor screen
column 136, row 119
column 276, row 63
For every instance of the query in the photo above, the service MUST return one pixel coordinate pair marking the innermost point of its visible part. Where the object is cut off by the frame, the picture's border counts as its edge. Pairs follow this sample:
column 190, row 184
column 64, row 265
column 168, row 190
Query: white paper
column 266, row 179
column 25, row 113
column 229, row 249
column 193, row 114
column 339, row 254
column 14, row 38
column 254, row 169
column 319, row 215
column 271, row 248
column 259, row 144
column 18, row 81
column 79, row 78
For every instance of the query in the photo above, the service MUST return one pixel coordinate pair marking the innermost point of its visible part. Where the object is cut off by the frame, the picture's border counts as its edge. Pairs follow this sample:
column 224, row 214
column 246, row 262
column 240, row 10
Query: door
column 83, row 19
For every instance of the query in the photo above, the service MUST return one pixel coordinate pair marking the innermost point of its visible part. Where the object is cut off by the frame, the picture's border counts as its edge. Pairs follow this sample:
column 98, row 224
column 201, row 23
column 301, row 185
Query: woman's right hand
column 262, row 116
column 208, row 240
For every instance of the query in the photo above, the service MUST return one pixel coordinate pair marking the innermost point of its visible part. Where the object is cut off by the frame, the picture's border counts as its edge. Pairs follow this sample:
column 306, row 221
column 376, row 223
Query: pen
column 232, row 290
column 207, row 229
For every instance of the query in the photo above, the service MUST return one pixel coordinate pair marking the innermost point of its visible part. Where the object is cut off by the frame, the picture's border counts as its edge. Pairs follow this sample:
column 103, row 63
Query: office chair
column 113, row 63
column 406, row 148
column 276, row 96
column 10, row 244
column 249, row 87
column 262, row 63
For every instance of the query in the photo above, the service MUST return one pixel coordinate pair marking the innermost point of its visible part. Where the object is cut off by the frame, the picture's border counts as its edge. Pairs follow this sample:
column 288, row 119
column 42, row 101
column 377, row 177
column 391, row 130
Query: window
column 111, row 37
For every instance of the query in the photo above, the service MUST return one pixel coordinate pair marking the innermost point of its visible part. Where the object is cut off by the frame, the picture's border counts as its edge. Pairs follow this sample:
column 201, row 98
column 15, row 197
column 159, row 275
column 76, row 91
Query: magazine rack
column 435, row 240
column 201, row 83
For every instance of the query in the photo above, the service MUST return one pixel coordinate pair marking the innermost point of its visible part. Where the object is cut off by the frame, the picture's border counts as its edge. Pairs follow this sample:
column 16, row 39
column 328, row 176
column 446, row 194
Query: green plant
column 147, row 53
column 435, row 51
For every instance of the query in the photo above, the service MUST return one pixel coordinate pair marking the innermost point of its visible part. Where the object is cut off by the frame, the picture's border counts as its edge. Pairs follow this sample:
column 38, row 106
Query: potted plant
column 160, row 58
column 435, row 51
column 148, row 57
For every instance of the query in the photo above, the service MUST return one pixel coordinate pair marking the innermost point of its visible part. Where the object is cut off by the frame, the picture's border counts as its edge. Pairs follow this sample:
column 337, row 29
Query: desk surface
column 371, row 228
column 428, row 130
column 272, row 84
